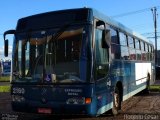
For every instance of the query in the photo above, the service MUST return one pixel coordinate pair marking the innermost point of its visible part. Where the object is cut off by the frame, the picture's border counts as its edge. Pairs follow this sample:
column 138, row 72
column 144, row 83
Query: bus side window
column 115, row 47
column 131, row 44
column 143, row 50
column 147, row 52
column 138, row 49
column 124, row 47
column 150, row 53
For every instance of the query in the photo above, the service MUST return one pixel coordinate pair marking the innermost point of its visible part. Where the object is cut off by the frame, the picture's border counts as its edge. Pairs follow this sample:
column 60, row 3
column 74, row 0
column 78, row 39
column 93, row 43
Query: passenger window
column 143, row 51
column 132, row 50
column 138, row 49
column 147, row 52
column 115, row 47
column 152, row 53
column 124, row 47
column 131, row 42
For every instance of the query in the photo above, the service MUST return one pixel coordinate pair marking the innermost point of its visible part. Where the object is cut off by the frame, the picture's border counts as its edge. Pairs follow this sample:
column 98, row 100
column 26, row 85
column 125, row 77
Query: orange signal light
column 88, row 100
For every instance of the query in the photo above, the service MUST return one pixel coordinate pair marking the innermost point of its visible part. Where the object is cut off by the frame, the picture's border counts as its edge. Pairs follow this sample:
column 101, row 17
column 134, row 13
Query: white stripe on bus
column 141, row 71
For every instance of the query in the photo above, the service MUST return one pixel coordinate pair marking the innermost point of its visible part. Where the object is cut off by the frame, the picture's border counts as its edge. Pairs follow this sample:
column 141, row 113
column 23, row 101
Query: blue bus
column 77, row 61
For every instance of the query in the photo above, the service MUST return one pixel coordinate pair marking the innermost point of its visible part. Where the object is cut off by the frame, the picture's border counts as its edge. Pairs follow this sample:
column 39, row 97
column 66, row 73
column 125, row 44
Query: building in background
column 5, row 67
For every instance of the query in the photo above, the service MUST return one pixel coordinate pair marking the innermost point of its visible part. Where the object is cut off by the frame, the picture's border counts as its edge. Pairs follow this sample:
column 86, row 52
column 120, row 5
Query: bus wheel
column 146, row 91
column 116, row 102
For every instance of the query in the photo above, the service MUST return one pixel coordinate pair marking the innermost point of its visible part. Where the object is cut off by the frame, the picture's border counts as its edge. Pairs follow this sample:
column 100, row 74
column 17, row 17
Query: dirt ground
column 139, row 107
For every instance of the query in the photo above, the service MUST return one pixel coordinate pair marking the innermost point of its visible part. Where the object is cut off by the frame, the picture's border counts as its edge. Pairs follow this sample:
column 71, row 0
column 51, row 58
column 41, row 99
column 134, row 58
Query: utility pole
column 154, row 12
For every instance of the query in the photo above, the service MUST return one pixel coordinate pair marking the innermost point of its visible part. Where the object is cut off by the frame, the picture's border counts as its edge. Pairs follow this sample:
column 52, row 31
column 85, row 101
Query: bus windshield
column 51, row 56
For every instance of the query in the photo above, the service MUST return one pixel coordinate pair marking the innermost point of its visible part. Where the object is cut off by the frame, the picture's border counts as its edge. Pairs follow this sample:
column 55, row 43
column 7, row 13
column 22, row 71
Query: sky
column 134, row 14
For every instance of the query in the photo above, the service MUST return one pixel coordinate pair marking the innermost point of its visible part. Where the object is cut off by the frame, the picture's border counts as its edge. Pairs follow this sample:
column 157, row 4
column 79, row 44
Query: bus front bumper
column 52, row 108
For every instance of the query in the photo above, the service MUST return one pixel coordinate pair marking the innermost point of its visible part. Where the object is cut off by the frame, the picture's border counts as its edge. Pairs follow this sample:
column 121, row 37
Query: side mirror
column 6, row 48
column 106, row 38
column 100, row 23
column 8, row 32
column 6, row 41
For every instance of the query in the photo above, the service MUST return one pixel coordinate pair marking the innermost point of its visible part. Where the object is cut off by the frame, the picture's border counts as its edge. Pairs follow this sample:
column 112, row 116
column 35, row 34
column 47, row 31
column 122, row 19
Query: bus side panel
column 132, row 75
column 122, row 71
column 119, row 72
column 138, row 78
column 103, row 95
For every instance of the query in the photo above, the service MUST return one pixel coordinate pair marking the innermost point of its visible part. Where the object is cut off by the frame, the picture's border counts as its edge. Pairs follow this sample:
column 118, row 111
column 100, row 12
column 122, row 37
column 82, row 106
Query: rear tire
column 146, row 91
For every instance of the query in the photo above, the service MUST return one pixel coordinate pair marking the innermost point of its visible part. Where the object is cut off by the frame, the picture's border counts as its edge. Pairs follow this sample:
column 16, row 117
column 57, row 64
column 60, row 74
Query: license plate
column 44, row 110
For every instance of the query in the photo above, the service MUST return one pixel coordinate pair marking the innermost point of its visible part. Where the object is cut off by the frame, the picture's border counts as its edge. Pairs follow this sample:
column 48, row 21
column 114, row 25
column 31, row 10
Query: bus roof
column 49, row 17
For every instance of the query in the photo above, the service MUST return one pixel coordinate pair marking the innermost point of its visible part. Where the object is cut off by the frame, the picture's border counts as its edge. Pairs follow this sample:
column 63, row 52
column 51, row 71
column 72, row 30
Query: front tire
column 116, row 102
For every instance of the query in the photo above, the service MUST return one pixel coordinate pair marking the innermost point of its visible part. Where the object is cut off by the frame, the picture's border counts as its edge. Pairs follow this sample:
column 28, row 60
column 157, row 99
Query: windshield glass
column 51, row 56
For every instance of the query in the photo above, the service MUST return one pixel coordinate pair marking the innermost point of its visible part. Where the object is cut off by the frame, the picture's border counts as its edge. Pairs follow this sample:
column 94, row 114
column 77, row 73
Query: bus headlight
column 17, row 98
column 76, row 100
column 79, row 100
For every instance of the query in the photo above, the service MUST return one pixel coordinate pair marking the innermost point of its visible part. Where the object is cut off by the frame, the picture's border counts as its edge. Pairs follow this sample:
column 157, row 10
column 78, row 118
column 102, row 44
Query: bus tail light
column 88, row 100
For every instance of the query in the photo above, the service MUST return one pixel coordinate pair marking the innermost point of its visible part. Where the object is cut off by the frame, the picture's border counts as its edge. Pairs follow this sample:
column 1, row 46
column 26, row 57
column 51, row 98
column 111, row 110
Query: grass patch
column 5, row 88
column 154, row 87
column 4, row 78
